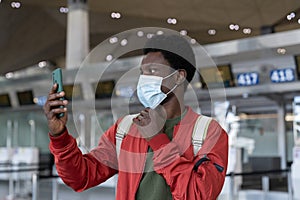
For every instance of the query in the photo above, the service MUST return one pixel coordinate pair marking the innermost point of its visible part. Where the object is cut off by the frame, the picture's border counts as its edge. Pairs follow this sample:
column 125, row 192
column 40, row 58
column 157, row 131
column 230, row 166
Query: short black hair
column 176, row 50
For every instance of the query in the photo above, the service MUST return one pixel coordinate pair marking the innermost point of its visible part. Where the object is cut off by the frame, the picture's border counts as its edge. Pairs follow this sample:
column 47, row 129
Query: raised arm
column 78, row 171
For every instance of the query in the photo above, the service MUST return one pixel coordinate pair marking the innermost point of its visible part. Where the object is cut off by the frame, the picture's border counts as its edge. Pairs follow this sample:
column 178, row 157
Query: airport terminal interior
column 247, row 78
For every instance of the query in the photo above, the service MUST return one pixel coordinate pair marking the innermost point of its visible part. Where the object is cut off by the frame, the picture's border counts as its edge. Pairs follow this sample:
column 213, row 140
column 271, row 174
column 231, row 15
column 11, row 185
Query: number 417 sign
column 248, row 79
column 282, row 75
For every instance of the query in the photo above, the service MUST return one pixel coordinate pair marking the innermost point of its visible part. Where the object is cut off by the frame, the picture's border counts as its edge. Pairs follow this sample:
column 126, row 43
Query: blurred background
column 248, row 81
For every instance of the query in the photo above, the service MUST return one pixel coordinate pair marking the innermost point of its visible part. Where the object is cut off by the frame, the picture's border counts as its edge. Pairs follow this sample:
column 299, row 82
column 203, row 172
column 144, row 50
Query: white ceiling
column 37, row 30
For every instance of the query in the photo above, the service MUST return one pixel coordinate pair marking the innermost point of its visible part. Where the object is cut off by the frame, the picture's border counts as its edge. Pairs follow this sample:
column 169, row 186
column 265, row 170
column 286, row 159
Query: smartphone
column 57, row 78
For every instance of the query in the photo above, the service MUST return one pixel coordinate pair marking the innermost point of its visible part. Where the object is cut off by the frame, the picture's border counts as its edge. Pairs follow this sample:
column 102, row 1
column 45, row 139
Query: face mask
column 149, row 90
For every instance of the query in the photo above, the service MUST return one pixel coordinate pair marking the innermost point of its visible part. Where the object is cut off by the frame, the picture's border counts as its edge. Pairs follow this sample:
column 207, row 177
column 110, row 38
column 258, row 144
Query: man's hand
column 52, row 108
column 151, row 122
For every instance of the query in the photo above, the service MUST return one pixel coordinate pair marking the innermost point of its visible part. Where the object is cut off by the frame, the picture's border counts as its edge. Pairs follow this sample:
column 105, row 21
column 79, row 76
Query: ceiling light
column 291, row 16
column 42, row 64
column 140, row 33
column 9, row 75
column 298, row 21
column 63, row 10
column 150, row 35
column 115, row 15
column 212, row 32
column 183, row 32
column 172, row 21
column 124, row 42
column 247, row 30
column 234, row 27
column 159, row 33
column 15, row 4
column 281, row 51
column 109, row 57
column 113, row 40
column 231, row 26
column 193, row 41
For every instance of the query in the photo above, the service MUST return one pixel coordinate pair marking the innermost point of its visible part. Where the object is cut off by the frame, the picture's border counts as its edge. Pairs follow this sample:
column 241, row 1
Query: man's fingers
column 59, row 110
column 142, row 119
column 57, row 103
column 53, row 89
column 136, row 121
column 54, row 112
column 144, row 113
column 53, row 96
column 54, row 103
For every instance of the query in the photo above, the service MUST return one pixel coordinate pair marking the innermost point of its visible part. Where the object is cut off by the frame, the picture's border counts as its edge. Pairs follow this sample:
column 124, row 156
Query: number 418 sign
column 282, row 75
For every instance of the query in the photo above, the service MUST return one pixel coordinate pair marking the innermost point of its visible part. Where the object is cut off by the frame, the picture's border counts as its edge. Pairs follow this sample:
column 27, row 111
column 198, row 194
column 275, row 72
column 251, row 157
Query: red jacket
column 188, row 177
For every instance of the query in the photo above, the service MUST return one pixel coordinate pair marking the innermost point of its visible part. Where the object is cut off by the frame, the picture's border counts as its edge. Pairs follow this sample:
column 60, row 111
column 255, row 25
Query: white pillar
column 281, row 134
column 77, row 33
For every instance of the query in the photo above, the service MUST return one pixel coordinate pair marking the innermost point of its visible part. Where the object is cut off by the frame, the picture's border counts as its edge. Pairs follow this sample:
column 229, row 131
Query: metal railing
column 15, row 171
column 265, row 180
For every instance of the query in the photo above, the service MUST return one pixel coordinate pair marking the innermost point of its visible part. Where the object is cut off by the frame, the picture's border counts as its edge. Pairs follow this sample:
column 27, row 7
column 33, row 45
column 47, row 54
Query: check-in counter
column 5, row 162
column 18, row 163
column 23, row 159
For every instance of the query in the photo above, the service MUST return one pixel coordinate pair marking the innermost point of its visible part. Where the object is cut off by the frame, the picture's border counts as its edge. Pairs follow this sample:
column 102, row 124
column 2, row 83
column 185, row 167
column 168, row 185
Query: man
column 156, row 160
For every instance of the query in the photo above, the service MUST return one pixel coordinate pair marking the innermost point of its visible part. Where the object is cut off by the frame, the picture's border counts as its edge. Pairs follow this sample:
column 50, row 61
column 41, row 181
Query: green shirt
column 153, row 186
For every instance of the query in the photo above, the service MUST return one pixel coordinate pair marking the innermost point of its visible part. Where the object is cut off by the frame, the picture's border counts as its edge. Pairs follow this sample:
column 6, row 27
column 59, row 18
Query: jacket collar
column 189, row 117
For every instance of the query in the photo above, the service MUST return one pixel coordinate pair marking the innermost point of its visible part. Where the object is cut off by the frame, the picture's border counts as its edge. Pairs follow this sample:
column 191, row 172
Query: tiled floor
column 45, row 192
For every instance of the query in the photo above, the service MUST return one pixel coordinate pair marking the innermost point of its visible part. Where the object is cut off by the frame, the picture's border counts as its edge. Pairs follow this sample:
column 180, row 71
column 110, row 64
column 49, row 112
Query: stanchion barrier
column 34, row 186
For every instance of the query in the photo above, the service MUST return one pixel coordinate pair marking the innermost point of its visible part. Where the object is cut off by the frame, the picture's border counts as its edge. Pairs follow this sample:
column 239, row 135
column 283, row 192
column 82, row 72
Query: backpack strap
column 199, row 132
column 122, row 130
column 198, row 136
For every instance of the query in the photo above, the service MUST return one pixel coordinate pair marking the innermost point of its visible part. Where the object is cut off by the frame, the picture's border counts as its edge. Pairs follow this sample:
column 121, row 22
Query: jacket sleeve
column 79, row 171
column 193, row 177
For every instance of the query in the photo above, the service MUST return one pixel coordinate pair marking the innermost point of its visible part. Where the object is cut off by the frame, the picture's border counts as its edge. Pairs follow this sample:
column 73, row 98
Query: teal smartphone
column 57, row 78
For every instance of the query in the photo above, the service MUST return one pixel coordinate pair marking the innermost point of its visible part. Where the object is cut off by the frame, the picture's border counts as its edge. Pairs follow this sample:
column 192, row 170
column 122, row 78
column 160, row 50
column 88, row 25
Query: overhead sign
column 282, row 75
column 248, row 79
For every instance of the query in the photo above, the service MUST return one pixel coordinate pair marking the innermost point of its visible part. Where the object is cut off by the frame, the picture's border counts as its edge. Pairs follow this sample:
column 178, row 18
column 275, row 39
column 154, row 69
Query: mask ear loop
column 172, row 89
column 170, row 75
column 175, row 84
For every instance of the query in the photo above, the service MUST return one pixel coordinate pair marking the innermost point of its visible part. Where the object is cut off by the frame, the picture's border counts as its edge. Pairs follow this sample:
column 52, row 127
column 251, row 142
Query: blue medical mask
column 149, row 90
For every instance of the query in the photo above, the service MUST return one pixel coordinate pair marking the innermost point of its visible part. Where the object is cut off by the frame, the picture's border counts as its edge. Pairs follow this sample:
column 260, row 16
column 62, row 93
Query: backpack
column 198, row 136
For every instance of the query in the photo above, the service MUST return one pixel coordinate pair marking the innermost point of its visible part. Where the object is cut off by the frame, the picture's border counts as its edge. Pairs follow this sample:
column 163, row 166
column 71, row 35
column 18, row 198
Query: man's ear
column 181, row 77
